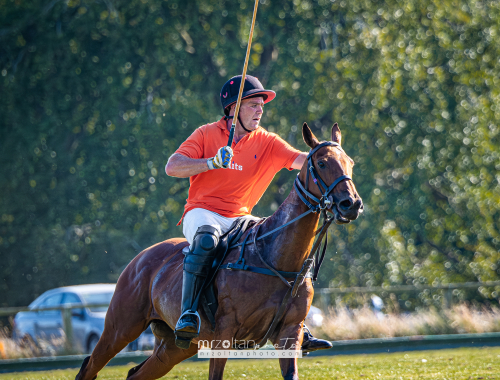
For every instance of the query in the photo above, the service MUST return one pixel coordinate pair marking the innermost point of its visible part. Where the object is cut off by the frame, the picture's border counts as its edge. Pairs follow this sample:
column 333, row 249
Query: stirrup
column 183, row 339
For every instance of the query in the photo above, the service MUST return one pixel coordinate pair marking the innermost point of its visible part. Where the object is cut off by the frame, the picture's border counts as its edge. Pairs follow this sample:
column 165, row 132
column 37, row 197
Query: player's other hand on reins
column 222, row 159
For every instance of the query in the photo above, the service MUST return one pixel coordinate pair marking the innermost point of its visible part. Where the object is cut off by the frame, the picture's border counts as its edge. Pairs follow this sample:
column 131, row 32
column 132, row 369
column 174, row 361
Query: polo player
column 218, row 197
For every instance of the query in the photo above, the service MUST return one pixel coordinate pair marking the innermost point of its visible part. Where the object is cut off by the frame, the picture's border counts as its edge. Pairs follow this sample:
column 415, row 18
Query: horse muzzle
column 346, row 210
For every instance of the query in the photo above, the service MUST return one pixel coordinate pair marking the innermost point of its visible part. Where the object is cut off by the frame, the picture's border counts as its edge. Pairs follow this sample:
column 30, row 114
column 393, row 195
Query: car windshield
column 99, row 298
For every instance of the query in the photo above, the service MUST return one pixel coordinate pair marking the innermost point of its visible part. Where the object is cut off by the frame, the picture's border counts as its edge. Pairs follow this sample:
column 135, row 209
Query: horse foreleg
column 118, row 332
column 289, row 338
column 166, row 355
column 103, row 352
column 224, row 332
column 216, row 370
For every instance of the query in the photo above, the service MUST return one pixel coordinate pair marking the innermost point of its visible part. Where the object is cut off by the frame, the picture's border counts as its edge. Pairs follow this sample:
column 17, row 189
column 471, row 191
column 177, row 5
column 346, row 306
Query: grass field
column 478, row 363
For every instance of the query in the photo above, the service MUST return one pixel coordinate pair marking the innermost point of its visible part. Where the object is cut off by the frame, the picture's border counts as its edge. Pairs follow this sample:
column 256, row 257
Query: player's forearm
column 182, row 167
column 299, row 161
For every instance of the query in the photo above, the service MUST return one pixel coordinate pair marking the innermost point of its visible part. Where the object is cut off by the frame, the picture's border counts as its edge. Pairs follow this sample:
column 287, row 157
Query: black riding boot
column 310, row 343
column 197, row 264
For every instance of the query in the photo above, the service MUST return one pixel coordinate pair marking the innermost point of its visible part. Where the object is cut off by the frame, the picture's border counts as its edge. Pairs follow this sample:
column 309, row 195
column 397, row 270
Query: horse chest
column 257, row 295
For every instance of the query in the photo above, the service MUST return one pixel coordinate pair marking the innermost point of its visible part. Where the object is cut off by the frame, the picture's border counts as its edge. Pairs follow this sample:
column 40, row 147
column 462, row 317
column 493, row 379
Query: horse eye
column 321, row 164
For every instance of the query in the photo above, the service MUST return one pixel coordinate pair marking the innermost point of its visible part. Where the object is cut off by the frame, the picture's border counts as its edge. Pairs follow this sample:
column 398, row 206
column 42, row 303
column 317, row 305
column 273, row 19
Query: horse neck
column 289, row 247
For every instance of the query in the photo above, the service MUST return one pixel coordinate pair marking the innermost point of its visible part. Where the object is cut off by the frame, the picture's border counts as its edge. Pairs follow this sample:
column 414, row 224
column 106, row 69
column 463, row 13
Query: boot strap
column 197, row 264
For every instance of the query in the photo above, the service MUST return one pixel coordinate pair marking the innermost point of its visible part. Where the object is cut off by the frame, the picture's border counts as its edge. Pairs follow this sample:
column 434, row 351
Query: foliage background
column 96, row 95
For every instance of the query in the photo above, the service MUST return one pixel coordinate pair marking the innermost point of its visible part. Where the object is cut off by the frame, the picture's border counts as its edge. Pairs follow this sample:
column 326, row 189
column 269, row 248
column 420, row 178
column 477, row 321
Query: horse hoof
column 184, row 336
column 161, row 330
column 82, row 368
column 183, row 343
column 135, row 369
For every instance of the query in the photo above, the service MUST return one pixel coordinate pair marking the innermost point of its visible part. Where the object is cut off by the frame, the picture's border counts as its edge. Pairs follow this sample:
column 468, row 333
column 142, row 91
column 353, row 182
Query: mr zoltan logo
column 241, row 349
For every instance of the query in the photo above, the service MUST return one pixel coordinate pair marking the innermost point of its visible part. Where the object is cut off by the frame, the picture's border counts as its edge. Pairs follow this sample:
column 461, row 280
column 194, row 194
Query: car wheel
column 92, row 343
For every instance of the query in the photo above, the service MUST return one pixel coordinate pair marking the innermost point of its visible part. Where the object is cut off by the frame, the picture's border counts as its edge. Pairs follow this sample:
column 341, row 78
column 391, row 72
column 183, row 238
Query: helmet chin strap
column 241, row 122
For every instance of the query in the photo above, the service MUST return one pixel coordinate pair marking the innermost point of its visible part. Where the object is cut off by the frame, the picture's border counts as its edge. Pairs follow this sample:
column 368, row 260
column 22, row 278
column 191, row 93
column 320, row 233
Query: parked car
column 88, row 322
column 145, row 342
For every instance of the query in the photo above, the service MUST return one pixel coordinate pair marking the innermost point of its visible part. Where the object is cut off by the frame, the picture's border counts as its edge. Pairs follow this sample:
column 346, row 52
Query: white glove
column 222, row 159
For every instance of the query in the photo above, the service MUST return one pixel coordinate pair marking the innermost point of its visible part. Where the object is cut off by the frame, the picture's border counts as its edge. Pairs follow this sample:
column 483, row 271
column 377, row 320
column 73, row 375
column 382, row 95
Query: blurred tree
column 97, row 95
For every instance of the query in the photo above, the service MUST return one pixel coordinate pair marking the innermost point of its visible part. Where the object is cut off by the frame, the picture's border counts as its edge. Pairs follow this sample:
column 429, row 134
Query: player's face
column 251, row 111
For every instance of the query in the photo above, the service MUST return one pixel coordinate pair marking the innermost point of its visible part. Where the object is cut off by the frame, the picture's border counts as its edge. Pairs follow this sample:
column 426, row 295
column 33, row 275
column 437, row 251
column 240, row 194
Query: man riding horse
column 218, row 197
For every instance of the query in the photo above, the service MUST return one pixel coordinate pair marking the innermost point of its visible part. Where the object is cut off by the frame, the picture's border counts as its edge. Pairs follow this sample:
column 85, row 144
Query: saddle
column 208, row 298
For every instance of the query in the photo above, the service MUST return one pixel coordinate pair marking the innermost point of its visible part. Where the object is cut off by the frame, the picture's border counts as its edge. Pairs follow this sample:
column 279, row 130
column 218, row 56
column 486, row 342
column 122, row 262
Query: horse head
column 330, row 163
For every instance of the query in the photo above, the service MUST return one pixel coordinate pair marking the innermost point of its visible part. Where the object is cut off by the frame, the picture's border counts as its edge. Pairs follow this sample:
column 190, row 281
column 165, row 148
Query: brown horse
column 149, row 289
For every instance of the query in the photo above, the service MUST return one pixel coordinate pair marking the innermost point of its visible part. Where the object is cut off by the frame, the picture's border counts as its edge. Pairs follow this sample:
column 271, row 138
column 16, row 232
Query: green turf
column 477, row 363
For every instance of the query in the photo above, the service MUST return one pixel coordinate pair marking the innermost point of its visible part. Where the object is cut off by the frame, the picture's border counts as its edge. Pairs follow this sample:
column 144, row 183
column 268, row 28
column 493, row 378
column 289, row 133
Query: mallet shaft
column 240, row 93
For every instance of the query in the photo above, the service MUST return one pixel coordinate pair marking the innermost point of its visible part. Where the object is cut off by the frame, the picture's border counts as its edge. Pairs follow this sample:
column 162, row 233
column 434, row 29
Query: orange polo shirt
column 233, row 192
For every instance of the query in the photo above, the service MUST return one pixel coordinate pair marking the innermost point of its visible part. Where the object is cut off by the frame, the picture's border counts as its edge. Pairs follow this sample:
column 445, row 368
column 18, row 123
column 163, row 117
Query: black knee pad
column 201, row 255
column 206, row 238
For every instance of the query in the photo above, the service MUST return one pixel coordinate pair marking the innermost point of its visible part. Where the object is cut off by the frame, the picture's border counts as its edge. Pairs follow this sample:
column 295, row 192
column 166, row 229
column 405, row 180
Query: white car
column 88, row 322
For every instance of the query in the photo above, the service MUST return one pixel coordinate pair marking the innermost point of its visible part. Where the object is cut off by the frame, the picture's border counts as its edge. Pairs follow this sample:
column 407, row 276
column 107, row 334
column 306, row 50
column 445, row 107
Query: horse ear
column 309, row 137
column 336, row 135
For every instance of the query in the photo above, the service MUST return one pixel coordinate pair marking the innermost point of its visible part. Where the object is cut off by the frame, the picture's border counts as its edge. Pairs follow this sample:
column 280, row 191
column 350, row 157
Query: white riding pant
column 200, row 217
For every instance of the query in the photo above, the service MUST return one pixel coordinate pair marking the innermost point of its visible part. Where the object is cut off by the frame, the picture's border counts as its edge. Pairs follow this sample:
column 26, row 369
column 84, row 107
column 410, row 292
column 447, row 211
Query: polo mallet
column 240, row 93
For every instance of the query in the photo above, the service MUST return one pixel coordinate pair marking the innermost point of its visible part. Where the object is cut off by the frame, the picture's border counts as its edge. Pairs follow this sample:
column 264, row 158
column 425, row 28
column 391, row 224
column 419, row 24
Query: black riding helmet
column 252, row 88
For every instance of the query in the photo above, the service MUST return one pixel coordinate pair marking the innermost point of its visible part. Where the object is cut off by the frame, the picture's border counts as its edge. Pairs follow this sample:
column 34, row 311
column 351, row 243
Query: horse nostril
column 346, row 204
column 359, row 204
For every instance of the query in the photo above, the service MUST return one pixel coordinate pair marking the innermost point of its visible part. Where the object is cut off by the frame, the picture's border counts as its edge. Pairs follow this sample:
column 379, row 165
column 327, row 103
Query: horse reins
column 314, row 258
column 322, row 203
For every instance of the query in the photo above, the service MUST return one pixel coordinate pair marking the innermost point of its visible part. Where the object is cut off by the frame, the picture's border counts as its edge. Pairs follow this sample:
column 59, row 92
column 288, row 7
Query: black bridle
column 314, row 258
column 324, row 201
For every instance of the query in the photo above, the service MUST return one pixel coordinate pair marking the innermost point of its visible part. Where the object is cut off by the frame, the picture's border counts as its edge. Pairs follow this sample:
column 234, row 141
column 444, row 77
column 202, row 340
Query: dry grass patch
column 28, row 348
column 344, row 324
